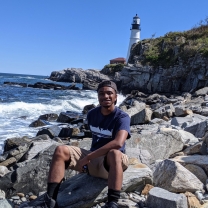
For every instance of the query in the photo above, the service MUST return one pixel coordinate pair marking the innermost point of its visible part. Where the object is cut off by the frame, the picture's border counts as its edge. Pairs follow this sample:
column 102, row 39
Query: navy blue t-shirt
column 105, row 127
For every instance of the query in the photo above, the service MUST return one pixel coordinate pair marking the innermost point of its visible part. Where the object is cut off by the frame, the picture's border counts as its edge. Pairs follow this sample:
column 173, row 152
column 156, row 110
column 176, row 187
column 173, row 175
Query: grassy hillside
column 172, row 48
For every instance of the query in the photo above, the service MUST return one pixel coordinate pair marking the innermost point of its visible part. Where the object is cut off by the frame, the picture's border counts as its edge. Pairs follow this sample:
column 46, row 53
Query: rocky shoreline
column 40, row 85
column 167, row 154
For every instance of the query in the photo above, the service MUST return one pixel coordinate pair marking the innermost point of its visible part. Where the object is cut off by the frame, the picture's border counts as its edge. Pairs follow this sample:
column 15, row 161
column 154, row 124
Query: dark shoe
column 43, row 201
column 111, row 205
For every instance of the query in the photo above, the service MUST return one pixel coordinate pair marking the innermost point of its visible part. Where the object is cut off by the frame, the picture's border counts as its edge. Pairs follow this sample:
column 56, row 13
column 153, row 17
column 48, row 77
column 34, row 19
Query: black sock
column 52, row 190
column 113, row 195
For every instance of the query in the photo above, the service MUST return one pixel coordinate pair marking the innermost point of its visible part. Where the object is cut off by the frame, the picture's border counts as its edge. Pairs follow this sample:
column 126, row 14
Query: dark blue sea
column 20, row 106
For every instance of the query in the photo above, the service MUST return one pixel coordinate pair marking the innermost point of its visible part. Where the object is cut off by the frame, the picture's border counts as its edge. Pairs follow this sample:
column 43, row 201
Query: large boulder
column 160, row 198
column 85, row 191
column 195, row 124
column 15, row 142
column 52, row 131
column 138, row 113
column 159, row 145
column 38, row 146
column 78, row 75
column 4, row 203
column 30, row 176
column 169, row 175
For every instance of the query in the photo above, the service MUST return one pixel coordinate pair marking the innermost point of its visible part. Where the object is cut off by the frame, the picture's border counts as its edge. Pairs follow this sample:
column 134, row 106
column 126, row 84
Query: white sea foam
column 16, row 117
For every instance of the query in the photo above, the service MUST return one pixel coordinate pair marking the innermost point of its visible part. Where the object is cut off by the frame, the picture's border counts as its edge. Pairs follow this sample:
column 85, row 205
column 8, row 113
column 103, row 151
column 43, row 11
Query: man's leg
column 114, row 162
column 61, row 156
column 115, row 176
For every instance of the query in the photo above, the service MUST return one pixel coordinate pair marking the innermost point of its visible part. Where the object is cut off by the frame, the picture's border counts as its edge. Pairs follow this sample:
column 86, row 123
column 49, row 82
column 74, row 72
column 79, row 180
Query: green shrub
column 166, row 51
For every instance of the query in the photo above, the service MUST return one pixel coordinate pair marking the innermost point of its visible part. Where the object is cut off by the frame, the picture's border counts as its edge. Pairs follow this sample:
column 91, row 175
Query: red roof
column 118, row 59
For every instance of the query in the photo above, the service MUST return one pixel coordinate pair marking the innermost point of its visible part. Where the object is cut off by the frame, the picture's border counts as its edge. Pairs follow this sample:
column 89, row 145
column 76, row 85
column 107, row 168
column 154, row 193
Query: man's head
column 107, row 93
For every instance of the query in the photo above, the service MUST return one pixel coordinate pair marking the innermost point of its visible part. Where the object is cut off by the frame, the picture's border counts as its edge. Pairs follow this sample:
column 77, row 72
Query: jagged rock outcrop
column 183, row 77
column 89, row 78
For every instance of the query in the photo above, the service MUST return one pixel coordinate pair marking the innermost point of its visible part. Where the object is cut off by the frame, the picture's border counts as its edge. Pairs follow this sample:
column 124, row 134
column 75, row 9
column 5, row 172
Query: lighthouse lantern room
column 135, row 34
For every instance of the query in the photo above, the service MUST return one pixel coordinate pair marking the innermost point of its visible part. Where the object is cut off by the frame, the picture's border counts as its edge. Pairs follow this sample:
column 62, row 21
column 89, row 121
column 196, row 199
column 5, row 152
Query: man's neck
column 107, row 110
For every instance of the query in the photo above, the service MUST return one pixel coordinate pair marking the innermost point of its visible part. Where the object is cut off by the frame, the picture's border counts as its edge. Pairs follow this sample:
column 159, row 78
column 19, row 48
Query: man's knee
column 62, row 151
column 113, row 156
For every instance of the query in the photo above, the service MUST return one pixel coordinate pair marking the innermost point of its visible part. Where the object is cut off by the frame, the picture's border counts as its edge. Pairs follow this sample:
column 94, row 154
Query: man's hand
column 81, row 163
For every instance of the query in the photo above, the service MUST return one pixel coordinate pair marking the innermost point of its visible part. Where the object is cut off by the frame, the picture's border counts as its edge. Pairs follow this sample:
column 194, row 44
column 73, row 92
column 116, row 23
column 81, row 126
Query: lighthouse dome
column 136, row 17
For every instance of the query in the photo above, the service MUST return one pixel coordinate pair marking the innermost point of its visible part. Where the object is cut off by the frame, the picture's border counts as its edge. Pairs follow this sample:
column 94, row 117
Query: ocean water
column 20, row 106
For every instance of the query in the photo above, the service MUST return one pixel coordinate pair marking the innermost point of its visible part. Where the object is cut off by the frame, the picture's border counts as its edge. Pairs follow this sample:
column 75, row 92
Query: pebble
column 199, row 195
column 30, row 194
column 20, row 194
column 33, row 197
column 23, row 199
column 15, row 197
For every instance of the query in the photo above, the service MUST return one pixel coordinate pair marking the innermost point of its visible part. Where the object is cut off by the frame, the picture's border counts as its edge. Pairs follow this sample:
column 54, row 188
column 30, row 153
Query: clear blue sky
column 41, row 36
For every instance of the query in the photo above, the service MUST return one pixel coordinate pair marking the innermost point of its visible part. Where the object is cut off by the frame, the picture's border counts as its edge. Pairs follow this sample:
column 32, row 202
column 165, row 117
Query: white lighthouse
column 135, row 34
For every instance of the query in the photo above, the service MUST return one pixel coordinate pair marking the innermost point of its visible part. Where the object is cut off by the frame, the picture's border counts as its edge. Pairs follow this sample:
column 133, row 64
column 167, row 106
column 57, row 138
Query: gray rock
column 87, row 108
column 78, row 75
column 49, row 117
column 180, row 110
column 38, row 146
column 199, row 160
column 166, row 110
column 2, row 194
column 197, row 129
column 204, row 111
column 170, row 176
column 201, row 92
column 197, row 171
column 30, row 176
column 197, row 148
column 69, row 132
column 195, row 124
column 187, row 137
column 159, row 145
column 15, row 142
column 3, row 170
column 127, row 203
column 160, row 198
column 67, row 117
column 4, row 203
column 39, row 123
column 143, row 156
column 52, row 131
column 158, row 121
column 138, row 113
column 8, row 162
column 18, row 150
column 94, row 190
column 181, row 121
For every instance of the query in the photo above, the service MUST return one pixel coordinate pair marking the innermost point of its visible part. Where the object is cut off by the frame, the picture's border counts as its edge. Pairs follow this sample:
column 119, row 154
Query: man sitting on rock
column 110, row 128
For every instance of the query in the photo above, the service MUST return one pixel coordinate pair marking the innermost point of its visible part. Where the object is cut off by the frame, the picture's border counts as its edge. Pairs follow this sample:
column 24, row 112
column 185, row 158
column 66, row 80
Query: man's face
column 107, row 96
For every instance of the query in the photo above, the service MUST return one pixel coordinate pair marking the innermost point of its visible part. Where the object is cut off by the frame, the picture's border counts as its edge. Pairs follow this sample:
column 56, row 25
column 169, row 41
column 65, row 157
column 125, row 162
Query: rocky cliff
column 176, row 62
